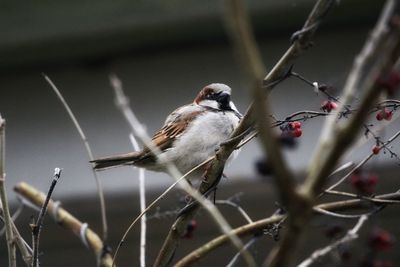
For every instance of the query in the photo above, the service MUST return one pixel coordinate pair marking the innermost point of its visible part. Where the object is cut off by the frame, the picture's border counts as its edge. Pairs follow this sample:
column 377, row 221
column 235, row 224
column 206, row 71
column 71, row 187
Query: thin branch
column 89, row 152
column 152, row 204
column 359, row 165
column 67, row 221
column 12, row 260
column 37, row 227
column 25, row 250
column 236, row 206
column 122, row 103
column 142, row 198
column 251, row 242
column 350, row 236
column 341, row 180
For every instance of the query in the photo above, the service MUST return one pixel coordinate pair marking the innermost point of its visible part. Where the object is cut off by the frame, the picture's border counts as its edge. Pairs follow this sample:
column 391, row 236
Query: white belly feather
column 200, row 140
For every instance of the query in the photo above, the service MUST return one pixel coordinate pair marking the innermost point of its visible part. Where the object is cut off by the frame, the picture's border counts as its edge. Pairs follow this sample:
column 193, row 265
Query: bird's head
column 216, row 95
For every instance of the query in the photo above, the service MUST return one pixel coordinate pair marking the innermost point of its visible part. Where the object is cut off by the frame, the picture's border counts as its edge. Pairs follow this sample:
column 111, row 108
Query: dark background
column 164, row 52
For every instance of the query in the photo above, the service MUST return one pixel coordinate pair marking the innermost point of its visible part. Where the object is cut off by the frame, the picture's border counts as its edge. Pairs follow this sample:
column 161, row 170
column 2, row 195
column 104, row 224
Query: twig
column 142, row 197
column 350, row 236
column 341, row 180
column 122, row 103
column 25, row 250
column 89, row 152
column 37, row 227
column 12, row 260
column 66, row 220
column 372, row 199
column 238, row 207
column 247, row 246
column 359, row 165
column 151, row 205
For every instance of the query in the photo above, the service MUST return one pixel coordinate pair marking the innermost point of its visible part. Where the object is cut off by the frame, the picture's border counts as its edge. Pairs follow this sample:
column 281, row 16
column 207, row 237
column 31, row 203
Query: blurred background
column 164, row 52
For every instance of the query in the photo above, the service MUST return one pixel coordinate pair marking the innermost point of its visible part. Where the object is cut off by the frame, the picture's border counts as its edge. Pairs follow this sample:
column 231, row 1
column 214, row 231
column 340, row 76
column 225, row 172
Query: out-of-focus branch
column 377, row 56
column 302, row 40
column 238, row 25
column 37, row 227
column 68, row 221
column 89, row 152
column 257, row 226
column 142, row 198
column 12, row 260
column 350, row 236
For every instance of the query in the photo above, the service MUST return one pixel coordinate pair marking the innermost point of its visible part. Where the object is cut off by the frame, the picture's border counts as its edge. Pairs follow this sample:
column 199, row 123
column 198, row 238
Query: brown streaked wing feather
column 164, row 138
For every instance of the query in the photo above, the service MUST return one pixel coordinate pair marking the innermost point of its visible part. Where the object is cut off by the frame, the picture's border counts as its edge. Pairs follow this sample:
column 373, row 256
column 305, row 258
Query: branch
column 142, row 196
column 238, row 25
column 37, row 227
column 350, row 236
column 258, row 226
column 377, row 56
column 89, row 152
column 68, row 221
column 12, row 260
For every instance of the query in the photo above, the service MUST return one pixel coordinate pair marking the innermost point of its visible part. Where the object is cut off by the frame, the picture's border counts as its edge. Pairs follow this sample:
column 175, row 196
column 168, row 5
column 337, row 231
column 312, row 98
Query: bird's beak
column 224, row 99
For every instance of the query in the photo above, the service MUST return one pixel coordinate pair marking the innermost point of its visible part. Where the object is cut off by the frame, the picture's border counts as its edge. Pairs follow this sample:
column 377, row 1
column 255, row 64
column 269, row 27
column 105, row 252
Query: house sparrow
column 190, row 134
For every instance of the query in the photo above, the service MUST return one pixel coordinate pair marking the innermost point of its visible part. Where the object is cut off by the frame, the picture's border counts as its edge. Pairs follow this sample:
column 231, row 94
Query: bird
column 190, row 134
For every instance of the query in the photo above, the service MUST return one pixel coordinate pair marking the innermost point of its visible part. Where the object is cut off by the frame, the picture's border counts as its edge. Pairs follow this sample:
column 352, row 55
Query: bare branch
column 238, row 26
column 12, row 260
column 89, row 152
column 68, row 221
column 142, row 197
column 350, row 236
column 37, row 227
column 236, row 206
column 257, row 226
column 336, row 137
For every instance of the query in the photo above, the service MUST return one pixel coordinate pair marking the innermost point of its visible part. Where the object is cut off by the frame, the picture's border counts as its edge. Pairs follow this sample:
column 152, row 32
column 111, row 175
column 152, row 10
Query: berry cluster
column 379, row 240
column 328, row 106
column 364, row 183
column 384, row 114
column 292, row 129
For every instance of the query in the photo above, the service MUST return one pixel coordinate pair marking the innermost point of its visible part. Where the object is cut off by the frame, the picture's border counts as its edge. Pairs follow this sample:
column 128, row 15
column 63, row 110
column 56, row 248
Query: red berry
column 295, row 124
column 379, row 115
column 192, row 225
column 376, row 149
column 381, row 240
column 297, row 132
column 388, row 115
column 328, row 105
column 364, row 183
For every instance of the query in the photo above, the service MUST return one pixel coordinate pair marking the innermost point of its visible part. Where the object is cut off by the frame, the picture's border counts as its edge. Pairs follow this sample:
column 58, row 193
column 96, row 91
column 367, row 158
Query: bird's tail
column 114, row 161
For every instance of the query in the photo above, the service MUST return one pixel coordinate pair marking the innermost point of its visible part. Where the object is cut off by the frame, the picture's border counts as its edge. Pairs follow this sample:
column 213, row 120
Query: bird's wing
column 175, row 125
